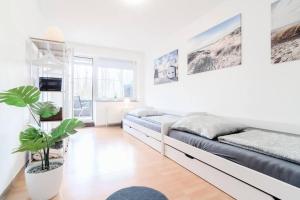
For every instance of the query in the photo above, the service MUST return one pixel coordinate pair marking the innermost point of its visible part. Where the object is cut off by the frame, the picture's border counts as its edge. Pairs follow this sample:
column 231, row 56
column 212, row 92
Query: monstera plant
column 43, row 179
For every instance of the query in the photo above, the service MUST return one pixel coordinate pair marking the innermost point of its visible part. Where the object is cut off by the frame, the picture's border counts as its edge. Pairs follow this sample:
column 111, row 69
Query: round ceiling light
column 134, row 2
column 55, row 34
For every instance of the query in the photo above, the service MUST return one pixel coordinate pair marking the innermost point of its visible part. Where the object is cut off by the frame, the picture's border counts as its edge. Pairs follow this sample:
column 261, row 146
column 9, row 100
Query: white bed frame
column 238, row 181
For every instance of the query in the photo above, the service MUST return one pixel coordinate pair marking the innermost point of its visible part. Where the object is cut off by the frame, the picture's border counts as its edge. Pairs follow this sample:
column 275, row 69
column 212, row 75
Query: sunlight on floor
column 103, row 160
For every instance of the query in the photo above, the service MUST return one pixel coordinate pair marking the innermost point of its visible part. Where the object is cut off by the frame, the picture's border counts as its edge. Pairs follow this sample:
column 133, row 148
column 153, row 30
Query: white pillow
column 144, row 112
column 209, row 126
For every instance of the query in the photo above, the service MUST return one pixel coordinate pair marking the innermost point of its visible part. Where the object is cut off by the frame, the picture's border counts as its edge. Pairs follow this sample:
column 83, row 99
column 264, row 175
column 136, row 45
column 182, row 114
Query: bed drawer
column 227, row 183
column 155, row 144
column 151, row 133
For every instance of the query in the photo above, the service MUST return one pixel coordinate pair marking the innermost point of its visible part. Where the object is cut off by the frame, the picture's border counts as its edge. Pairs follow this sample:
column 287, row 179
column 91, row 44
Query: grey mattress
column 151, row 125
column 285, row 171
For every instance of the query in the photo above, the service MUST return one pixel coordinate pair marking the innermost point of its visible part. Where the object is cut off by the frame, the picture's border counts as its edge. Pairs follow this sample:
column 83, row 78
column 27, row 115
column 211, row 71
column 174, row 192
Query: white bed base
column 238, row 181
column 146, row 135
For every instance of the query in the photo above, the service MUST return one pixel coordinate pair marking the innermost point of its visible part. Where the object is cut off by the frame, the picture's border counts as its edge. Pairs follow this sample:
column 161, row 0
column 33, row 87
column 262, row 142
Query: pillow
column 209, row 126
column 144, row 112
column 196, row 113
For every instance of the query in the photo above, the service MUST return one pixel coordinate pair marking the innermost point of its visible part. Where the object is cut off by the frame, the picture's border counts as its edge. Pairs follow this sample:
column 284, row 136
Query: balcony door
column 83, row 88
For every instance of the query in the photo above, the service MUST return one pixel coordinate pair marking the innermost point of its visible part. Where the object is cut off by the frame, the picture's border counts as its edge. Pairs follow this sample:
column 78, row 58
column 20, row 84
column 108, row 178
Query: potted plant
column 43, row 179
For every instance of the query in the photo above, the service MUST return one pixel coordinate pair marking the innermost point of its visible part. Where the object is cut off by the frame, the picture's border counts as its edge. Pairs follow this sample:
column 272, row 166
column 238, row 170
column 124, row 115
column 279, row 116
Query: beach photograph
column 285, row 35
column 166, row 68
column 217, row 48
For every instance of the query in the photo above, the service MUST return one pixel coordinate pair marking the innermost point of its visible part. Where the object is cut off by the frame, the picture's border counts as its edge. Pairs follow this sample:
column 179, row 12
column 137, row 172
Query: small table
column 137, row 193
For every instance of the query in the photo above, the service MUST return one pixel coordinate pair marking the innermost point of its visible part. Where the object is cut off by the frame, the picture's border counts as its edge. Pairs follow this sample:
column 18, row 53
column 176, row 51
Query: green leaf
column 66, row 128
column 44, row 109
column 32, row 139
column 20, row 96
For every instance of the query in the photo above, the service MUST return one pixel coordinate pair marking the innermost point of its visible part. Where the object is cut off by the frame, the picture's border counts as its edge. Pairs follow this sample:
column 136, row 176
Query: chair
column 79, row 106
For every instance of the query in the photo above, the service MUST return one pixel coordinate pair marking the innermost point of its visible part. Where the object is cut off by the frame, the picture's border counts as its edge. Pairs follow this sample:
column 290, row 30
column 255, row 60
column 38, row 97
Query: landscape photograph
column 285, row 35
column 217, row 48
column 166, row 68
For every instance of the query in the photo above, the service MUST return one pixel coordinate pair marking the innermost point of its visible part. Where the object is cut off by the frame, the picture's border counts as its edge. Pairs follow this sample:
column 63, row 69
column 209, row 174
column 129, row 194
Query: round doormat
column 137, row 193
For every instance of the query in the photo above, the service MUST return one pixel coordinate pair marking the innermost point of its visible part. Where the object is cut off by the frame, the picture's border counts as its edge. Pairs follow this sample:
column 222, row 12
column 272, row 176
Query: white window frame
column 96, row 79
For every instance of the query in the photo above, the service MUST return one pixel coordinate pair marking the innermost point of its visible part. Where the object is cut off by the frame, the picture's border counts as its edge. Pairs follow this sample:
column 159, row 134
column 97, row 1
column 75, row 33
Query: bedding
column 162, row 119
column 144, row 112
column 206, row 125
column 153, row 126
column 283, row 170
column 196, row 113
column 281, row 145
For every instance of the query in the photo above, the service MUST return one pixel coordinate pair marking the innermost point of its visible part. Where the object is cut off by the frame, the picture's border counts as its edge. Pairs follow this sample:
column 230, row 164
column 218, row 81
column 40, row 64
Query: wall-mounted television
column 50, row 84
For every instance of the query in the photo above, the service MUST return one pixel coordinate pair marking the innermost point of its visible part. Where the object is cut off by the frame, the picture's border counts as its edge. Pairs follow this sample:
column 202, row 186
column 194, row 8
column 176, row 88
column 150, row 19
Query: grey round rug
column 137, row 193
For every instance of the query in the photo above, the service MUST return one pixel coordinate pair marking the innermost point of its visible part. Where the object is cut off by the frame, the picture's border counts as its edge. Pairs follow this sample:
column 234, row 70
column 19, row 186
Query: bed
column 143, row 122
column 242, row 173
column 285, row 171
column 148, row 129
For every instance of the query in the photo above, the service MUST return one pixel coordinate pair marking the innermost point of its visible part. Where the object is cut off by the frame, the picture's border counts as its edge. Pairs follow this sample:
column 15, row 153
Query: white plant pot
column 44, row 185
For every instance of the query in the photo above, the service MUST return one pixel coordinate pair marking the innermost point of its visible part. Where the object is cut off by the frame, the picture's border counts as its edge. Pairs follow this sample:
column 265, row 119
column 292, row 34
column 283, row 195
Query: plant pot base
column 44, row 185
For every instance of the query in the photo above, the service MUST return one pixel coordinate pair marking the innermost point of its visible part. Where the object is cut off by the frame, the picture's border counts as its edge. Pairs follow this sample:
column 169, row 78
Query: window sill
column 115, row 101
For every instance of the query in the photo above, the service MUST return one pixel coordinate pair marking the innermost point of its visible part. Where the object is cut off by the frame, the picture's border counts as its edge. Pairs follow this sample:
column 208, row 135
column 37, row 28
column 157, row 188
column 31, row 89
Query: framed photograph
column 285, row 35
column 217, row 48
column 166, row 68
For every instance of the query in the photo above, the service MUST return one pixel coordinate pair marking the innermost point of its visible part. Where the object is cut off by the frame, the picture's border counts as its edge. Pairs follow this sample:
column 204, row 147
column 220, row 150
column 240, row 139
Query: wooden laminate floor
column 103, row 160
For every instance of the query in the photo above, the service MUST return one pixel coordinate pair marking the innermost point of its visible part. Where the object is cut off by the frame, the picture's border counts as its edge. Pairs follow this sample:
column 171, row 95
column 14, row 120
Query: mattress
column 166, row 118
column 282, row 170
column 284, row 146
column 148, row 124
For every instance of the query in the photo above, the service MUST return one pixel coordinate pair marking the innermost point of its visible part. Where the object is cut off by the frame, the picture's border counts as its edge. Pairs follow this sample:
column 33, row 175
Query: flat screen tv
column 50, row 84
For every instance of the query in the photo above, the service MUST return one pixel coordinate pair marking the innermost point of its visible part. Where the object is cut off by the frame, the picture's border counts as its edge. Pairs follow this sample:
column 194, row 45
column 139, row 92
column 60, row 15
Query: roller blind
column 114, row 63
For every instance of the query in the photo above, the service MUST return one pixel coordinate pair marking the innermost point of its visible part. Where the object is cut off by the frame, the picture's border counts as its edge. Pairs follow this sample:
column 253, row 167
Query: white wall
column 19, row 20
column 112, row 112
column 256, row 90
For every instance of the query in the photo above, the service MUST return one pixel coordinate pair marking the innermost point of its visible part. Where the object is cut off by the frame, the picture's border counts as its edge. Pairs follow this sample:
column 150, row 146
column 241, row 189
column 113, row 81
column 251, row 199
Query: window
column 115, row 80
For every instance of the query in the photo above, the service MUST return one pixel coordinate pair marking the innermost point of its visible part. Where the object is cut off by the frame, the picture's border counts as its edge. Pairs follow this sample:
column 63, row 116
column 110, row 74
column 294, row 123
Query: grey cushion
column 196, row 113
column 209, row 126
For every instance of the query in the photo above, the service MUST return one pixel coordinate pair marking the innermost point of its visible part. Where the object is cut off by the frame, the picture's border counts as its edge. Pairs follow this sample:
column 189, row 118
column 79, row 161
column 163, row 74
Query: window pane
column 83, row 81
column 115, row 83
column 128, row 83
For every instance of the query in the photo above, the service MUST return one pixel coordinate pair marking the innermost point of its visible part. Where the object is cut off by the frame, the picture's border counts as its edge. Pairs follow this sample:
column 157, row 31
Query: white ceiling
column 115, row 23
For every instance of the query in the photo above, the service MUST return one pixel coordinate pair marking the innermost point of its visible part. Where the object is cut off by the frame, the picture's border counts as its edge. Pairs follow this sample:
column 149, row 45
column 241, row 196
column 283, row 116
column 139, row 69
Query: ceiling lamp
column 55, row 34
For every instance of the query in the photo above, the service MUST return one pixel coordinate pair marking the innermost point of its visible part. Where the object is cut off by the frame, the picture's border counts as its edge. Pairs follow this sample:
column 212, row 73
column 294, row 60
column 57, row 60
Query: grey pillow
column 196, row 113
column 209, row 126
column 144, row 112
